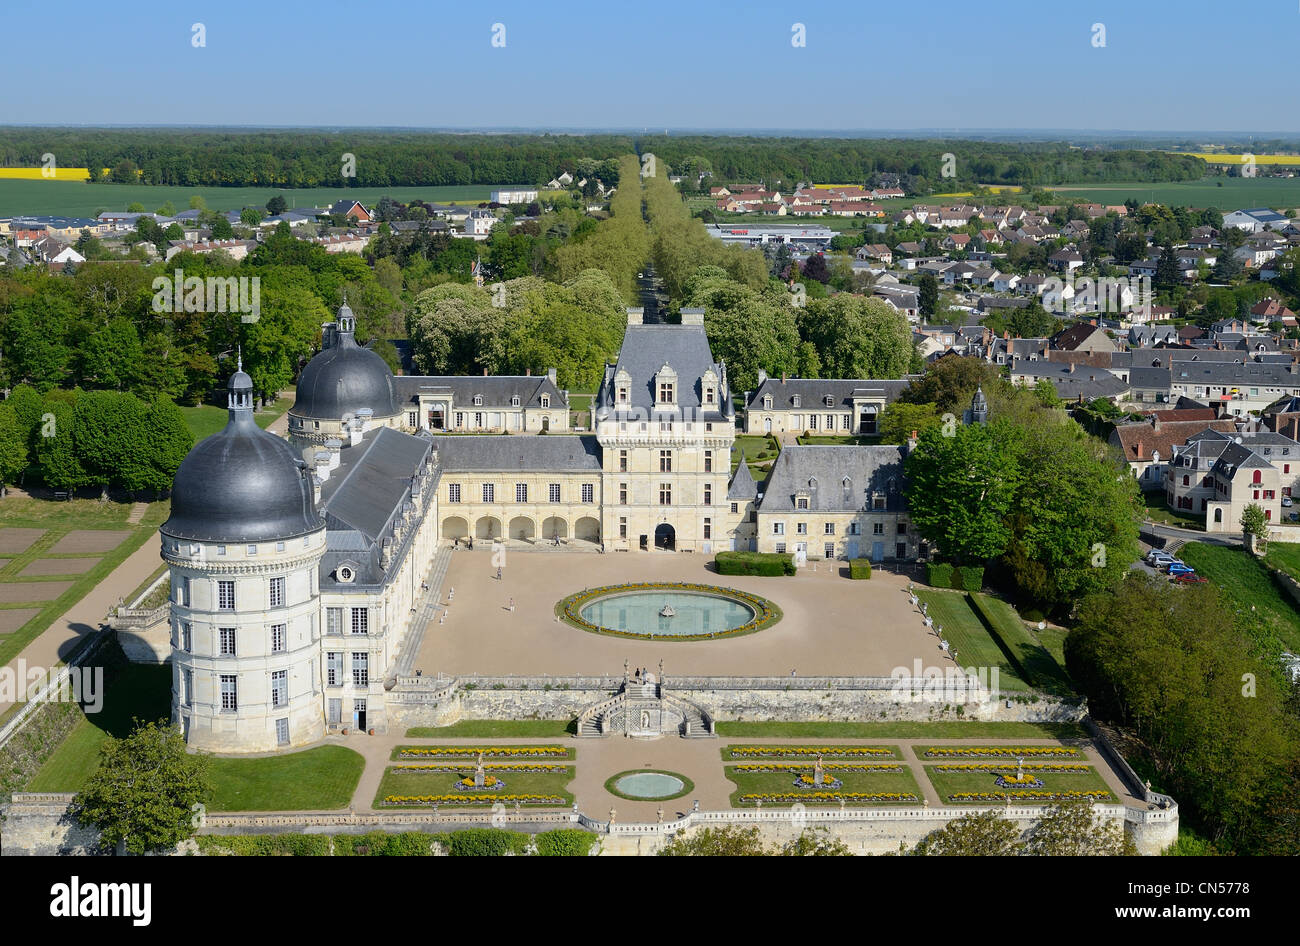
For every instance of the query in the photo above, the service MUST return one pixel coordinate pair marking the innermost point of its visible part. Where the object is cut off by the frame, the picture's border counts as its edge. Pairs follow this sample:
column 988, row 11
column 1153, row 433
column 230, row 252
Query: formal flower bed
column 498, row 767
column 490, row 784
column 1003, row 767
column 489, row 752
column 765, row 612
column 841, row 752
column 478, row 799
column 860, row 797
column 829, row 766
column 1028, row 795
column 1002, row 752
column 809, row 780
column 1023, row 780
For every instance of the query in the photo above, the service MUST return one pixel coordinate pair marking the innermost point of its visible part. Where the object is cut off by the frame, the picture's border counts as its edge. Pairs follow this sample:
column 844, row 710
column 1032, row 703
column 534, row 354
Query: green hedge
column 266, row 845
column 938, row 575
column 968, row 578
column 565, row 842
column 860, row 568
column 766, row 564
column 484, row 842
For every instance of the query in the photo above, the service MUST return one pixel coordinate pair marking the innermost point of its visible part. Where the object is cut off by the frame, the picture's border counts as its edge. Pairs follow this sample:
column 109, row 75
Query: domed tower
column 244, row 542
column 979, row 408
column 344, row 389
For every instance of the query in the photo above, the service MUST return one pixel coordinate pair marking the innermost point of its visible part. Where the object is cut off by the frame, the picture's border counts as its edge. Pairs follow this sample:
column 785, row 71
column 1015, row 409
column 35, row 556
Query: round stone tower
column 244, row 543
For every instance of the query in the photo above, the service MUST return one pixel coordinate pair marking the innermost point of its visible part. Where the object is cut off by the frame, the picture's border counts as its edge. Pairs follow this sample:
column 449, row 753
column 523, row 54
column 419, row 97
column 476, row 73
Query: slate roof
column 517, row 453
column 812, row 392
column 497, row 390
column 685, row 349
column 742, row 486
column 375, row 483
column 821, row 471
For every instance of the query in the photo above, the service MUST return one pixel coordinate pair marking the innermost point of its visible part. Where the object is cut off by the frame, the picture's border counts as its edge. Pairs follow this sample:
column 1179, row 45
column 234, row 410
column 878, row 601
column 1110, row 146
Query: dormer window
column 767, row 402
column 478, row 400
column 829, row 401
column 794, row 400
column 622, row 394
column 514, row 400
column 666, row 392
column 546, row 400
column 708, row 396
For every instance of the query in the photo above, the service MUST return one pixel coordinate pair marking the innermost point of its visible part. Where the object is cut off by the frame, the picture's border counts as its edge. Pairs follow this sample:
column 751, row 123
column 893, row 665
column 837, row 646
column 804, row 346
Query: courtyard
column 831, row 626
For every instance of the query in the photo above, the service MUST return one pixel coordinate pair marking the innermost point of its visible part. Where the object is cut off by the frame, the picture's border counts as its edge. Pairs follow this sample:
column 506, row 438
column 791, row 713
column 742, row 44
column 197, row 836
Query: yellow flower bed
column 780, row 797
column 1029, row 795
column 476, row 799
column 1002, row 767
column 829, row 767
column 497, row 767
column 1000, row 752
column 415, row 752
column 744, row 752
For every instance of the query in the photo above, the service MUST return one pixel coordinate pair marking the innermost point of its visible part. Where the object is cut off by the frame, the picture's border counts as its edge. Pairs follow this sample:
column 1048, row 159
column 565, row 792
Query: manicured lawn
column 845, row 441
column 940, row 729
column 1036, row 660
column 315, row 779
column 1286, row 556
column 966, row 633
column 1156, row 509
column 495, row 729
column 854, row 781
column 1246, row 585
column 444, row 783
column 140, row 691
column 207, row 419
column 945, row 783
column 59, row 518
column 753, row 446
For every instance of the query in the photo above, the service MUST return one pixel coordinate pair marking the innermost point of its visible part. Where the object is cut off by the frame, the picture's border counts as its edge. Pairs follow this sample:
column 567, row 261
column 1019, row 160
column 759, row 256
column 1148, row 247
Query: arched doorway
column 521, row 527
column 665, row 537
column 546, row 425
column 587, row 529
column 487, row 528
column 454, row 527
column 555, row 528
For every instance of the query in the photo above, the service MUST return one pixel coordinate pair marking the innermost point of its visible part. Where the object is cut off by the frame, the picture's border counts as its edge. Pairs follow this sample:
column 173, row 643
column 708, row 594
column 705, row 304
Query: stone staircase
column 645, row 711
column 426, row 611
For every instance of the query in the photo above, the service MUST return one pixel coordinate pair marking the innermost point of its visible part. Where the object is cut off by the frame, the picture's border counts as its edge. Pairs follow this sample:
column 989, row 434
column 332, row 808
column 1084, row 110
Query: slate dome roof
column 241, row 484
column 345, row 378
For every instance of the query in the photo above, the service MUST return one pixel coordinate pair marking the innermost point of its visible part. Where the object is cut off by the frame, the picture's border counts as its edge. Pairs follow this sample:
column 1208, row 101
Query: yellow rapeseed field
column 1218, row 157
column 42, row 174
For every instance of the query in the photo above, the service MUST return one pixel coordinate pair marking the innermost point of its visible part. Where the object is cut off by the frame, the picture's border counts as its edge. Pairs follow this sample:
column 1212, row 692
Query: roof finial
column 239, row 357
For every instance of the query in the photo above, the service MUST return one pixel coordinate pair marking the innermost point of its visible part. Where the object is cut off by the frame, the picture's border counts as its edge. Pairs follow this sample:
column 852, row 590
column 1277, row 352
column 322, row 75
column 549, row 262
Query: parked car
column 1160, row 559
column 1190, row 578
column 1178, row 568
column 1286, row 501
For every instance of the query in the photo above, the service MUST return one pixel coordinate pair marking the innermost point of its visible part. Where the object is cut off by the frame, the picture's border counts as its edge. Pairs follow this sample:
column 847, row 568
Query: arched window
column 1186, row 480
column 1257, row 476
column 1218, row 514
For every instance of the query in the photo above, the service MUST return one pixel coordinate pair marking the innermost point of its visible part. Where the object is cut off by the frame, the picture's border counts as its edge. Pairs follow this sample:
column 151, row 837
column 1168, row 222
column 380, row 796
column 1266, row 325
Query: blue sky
column 869, row 64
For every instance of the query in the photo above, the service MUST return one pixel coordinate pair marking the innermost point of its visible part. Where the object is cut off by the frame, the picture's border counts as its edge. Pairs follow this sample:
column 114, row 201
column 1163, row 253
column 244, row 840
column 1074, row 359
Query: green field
column 141, row 691
column 495, row 729
column 1036, row 659
column 939, row 729
column 205, row 420
column 317, row 779
column 79, row 199
column 1248, row 588
column 966, row 633
column 1234, row 193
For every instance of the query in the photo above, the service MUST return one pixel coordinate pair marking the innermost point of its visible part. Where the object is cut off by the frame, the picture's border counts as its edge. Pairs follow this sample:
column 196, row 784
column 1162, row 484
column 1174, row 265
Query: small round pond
column 671, row 614
column 649, row 785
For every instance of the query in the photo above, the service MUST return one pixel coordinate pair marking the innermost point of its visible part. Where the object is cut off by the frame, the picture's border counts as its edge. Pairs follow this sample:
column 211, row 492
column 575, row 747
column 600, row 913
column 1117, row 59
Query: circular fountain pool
column 669, row 611
column 649, row 785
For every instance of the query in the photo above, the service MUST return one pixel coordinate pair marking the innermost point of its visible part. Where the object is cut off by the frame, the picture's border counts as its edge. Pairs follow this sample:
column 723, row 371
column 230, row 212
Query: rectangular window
column 333, row 621
column 665, row 392
column 489, row 492
column 828, row 551
column 460, row 419
column 902, row 528
column 282, row 732
column 708, row 494
column 229, row 693
column 879, row 502
column 622, row 494
column 588, row 493
column 334, row 669
column 778, row 528
column 183, row 591
column 708, row 461
column 665, row 494
column 801, row 502
column 335, row 711
column 187, row 687
column 877, row 528
column 665, row 427
column 360, row 621
column 735, row 508
column 622, row 461
column 226, row 595
column 279, row 546
column 187, row 637
column 830, row 529
column 708, row 528
column 226, row 641
column 277, row 592
column 521, row 492
column 665, row 461
column 453, row 492
column 252, row 550
column 280, row 688
column 279, row 638
column 780, row 548
column 801, row 528
column 221, row 550
column 361, row 670
column 622, row 527
column 478, row 419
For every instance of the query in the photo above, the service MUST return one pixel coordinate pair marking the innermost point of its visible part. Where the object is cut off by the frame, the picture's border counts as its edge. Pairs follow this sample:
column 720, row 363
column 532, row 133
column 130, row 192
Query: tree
column 1227, row 265
column 145, row 792
column 950, row 382
column 900, row 418
column 168, row 209
column 277, row 205
column 1168, row 276
column 1255, row 524
column 250, row 216
column 13, row 446
column 815, row 268
column 985, row 834
column 198, row 203
column 731, row 841
column 815, row 843
column 1073, row 829
column 857, row 337
column 928, row 294
column 221, row 228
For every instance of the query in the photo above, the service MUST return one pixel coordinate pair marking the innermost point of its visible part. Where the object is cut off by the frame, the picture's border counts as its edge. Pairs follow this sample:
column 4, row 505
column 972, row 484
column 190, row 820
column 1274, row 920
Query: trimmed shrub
column 765, row 564
column 565, row 842
column 860, row 568
column 968, row 578
column 484, row 842
column 938, row 575
column 265, row 845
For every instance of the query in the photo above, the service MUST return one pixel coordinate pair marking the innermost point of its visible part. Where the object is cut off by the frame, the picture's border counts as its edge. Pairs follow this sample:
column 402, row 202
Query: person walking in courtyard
column 512, row 604
column 451, row 594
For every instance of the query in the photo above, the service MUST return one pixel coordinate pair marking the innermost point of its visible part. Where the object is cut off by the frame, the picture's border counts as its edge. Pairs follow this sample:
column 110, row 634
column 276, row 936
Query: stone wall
column 38, row 824
column 441, row 702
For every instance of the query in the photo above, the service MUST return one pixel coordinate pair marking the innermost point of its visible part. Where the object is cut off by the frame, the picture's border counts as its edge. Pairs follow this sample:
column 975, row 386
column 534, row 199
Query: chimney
column 692, row 316
column 550, row 375
column 635, row 315
column 762, row 376
column 1072, row 366
column 1139, row 449
column 485, row 372
column 783, row 377
column 1155, row 422
column 528, row 372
